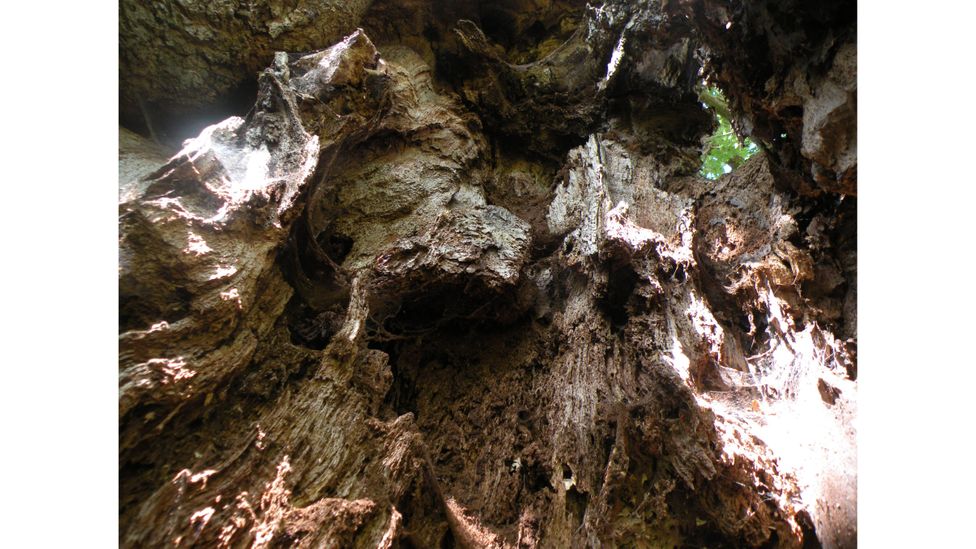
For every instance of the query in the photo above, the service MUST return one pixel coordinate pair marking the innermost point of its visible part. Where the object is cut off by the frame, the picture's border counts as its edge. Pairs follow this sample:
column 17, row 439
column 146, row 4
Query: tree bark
column 452, row 281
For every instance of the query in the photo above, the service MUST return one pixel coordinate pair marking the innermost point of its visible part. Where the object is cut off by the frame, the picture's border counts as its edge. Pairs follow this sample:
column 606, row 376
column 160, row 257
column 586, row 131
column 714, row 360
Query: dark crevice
column 620, row 286
column 576, row 504
column 447, row 542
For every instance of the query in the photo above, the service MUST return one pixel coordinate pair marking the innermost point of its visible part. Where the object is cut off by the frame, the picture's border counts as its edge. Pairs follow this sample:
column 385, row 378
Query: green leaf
column 724, row 150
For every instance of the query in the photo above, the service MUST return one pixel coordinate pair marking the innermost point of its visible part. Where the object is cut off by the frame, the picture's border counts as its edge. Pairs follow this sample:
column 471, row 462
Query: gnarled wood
column 458, row 285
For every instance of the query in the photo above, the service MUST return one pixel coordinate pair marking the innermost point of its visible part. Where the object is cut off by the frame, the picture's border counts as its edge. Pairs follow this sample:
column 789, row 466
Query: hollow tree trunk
column 453, row 281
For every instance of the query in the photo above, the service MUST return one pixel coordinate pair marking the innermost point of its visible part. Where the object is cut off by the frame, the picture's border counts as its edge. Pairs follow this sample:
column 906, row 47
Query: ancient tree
column 450, row 277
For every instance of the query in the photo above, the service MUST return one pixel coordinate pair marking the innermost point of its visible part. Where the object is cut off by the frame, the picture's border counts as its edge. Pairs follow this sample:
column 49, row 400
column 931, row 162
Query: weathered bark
column 181, row 60
column 452, row 281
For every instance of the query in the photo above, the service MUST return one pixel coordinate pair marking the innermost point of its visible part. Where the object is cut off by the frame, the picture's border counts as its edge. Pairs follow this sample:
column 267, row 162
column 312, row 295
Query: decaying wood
column 458, row 285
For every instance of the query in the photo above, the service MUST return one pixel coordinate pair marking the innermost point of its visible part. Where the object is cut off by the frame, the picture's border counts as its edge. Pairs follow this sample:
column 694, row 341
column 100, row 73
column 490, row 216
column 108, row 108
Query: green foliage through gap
column 723, row 151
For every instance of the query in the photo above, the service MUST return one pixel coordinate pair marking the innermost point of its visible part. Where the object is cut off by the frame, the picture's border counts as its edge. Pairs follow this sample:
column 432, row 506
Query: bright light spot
column 196, row 245
column 202, row 517
column 256, row 174
column 173, row 369
column 728, row 25
column 232, row 294
column 679, row 360
column 202, row 476
column 618, row 53
column 618, row 226
column 159, row 327
column 704, row 323
column 800, row 429
column 260, row 438
column 223, row 272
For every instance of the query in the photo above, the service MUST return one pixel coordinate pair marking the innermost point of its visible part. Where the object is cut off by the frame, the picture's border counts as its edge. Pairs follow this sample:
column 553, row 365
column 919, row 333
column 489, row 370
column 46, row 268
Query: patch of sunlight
column 223, row 272
column 802, row 431
column 174, row 370
column 615, row 57
column 196, row 245
column 159, row 327
column 679, row 360
column 232, row 295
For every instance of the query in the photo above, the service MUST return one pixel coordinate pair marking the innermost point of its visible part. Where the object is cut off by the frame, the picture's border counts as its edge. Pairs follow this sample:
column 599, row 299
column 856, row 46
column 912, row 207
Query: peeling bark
column 452, row 282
